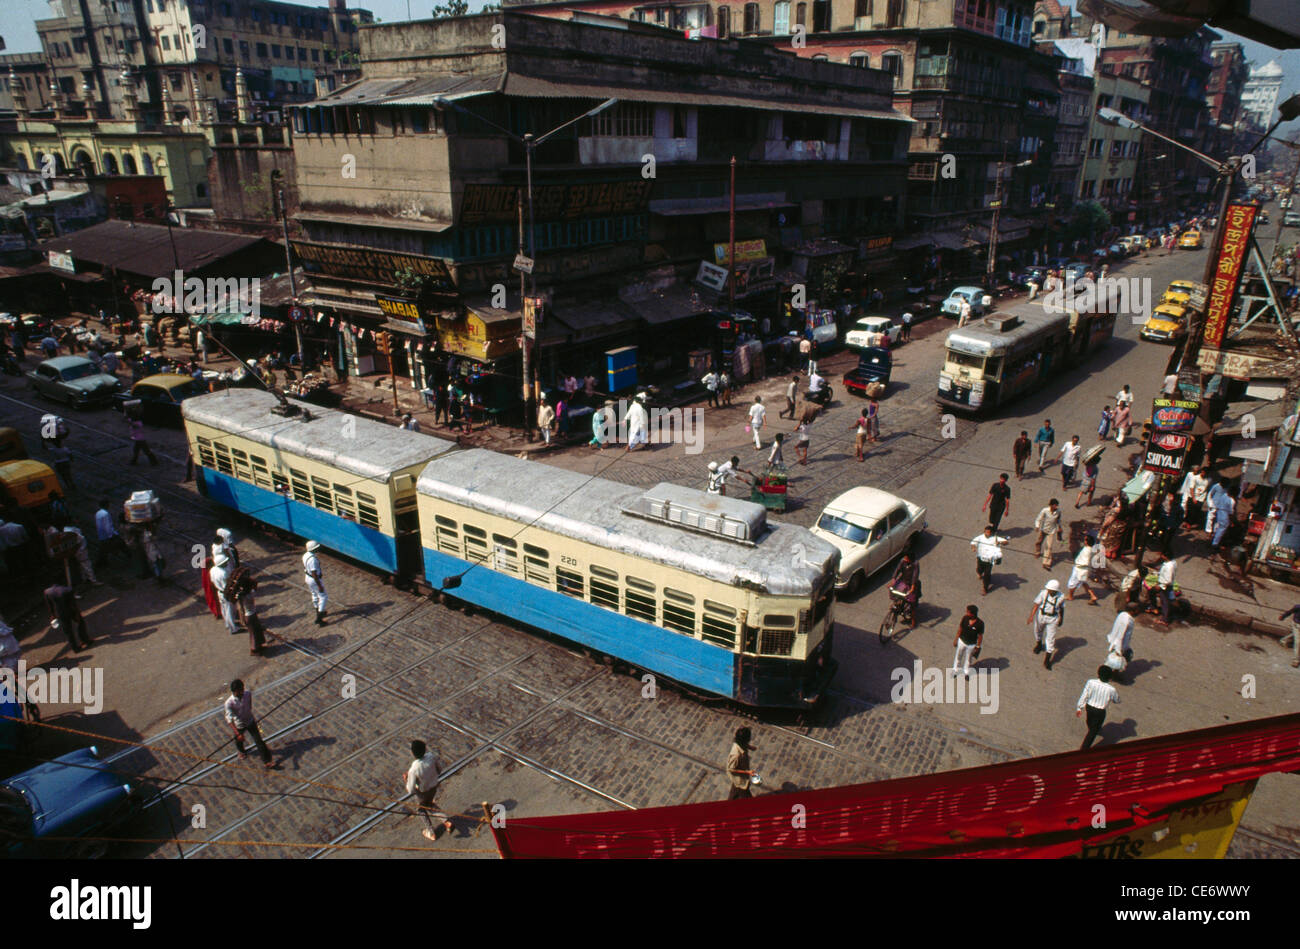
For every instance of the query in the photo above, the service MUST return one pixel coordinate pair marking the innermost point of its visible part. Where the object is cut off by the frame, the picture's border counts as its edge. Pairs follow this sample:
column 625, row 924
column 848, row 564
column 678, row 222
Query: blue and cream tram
column 345, row 481
column 991, row 362
column 696, row 587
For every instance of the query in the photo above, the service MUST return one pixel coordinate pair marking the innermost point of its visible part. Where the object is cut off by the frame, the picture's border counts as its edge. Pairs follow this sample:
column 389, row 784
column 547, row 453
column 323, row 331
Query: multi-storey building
column 1223, row 97
column 409, row 171
column 1111, row 155
column 1260, row 92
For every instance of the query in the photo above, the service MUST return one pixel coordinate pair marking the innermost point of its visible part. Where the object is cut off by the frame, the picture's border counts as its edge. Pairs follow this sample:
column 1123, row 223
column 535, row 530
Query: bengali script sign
column 370, row 265
column 1237, row 225
column 499, row 204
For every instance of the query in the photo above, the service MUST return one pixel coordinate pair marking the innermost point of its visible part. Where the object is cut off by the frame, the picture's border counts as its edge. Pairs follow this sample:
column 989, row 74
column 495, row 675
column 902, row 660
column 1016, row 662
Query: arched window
column 801, row 14
column 82, row 161
column 753, row 19
column 148, row 165
column 781, row 18
column 820, row 58
column 21, row 158
column 128, row 164
column 724, row 22
column 110, row 164
column 860, row 59
column 892, row 63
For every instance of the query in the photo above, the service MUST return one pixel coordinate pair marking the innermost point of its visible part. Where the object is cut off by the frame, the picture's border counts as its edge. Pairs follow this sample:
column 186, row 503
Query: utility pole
column 387, row 339
column 523, row 330
column 530, row 407
column 731, row 253
column 993, row 230
column 293, row 284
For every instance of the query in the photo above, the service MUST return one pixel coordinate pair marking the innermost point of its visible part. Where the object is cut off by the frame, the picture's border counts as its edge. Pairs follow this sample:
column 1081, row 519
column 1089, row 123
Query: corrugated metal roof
column 531, row 86
column 785, row 560
column 374, row 450
column 146, row 249
column 420, row 90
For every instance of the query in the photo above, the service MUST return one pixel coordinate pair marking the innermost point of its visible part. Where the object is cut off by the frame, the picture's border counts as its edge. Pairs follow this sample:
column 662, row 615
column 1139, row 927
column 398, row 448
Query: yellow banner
column 1193, row 831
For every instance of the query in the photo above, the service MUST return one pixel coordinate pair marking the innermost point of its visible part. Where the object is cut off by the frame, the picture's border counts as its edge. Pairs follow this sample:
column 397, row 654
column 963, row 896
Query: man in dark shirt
column 969, row 638
column 999, row 500
column 64, row 614
column 1021, row 450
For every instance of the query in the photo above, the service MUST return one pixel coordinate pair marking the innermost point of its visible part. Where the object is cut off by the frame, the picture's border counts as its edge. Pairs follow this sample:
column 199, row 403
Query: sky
column 19, row 31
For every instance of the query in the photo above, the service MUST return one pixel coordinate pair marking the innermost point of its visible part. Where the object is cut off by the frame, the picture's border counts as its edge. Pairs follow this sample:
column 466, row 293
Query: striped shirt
column 1098, row 694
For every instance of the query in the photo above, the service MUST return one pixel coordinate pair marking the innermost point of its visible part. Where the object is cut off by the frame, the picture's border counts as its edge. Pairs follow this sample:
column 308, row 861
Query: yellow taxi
column 1167, row 323
column 28, row 483
column 1179, row 292
column 1190, row 240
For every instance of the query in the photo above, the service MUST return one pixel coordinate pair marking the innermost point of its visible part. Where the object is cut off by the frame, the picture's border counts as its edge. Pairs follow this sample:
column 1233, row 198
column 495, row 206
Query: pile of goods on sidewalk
column 312, row 387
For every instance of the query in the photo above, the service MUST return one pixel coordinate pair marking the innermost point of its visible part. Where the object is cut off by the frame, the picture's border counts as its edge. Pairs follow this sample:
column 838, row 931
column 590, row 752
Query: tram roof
column 985, row 336
column 783, row 560
column 373, row 450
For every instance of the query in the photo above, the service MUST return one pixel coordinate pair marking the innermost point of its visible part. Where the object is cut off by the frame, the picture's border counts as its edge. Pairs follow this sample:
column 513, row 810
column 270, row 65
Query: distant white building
column 1259, row 95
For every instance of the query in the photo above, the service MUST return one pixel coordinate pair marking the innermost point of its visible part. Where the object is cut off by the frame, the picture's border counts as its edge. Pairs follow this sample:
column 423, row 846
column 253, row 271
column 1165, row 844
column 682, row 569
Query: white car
column 870, row 528
column 973, row 295
column 868, row 331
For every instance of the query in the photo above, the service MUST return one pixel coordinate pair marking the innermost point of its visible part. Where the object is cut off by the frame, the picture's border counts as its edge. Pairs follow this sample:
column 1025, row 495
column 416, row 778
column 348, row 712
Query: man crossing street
column 1046, row 616
column 315, row 581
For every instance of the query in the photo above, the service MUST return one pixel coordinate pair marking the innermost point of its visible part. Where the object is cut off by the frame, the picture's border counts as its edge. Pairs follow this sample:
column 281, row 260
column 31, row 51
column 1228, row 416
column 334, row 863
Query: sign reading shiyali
column 1174, row 415
column 1166, row 453
column 370, row 265
column 1237, row 225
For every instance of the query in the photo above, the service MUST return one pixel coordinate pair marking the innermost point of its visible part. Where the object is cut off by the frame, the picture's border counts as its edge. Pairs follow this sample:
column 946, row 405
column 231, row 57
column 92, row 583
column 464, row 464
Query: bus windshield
column 966, row 359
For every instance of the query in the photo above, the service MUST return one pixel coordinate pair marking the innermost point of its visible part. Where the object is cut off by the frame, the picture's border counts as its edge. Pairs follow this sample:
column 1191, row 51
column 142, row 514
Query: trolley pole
column 731, row 240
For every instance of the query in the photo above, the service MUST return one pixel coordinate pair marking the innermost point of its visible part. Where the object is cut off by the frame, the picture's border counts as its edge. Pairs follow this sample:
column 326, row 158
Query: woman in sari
column 1114, row 525
column 209, row 591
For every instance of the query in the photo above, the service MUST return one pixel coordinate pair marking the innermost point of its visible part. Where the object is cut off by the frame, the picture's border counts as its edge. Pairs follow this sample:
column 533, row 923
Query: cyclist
column 907, row 583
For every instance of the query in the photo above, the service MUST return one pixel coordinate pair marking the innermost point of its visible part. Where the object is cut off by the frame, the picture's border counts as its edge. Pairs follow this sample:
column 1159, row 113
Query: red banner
column 1237, row 225
column 1038, row 807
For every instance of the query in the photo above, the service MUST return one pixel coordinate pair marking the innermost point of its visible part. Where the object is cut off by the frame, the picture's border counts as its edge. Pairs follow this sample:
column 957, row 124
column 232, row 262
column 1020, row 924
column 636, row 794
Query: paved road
column 542, row 729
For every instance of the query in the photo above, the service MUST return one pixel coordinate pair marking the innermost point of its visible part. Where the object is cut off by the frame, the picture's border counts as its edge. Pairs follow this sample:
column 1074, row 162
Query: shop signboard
column 404, row 316
column 367, row 264
column 499, row 204
column 1166, row 453
column 1231, row 251
column 1174, row 415
column 745, row 250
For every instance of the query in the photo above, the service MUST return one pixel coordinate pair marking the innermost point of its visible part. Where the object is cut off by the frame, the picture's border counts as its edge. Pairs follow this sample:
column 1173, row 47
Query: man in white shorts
column 1082, row 568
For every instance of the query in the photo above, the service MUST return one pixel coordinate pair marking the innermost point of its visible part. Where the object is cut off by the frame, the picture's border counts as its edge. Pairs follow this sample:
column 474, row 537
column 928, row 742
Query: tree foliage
column 1088, row 217
column 450, row 8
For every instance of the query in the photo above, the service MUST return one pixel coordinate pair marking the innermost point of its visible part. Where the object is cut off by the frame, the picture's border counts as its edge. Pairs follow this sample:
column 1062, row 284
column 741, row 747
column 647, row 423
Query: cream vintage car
column 870, row 528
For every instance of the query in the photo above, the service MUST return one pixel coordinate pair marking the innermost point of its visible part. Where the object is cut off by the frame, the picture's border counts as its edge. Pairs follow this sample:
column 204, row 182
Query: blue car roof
column 61, row 789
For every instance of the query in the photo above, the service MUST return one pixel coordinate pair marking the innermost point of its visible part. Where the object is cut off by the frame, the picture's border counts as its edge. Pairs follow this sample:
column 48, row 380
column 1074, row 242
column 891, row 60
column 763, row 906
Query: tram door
column 410, row 555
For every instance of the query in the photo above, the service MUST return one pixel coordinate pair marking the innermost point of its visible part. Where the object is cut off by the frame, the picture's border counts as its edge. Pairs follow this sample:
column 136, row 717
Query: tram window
column 321, row 491
column 505, row 554
column 367, row 512
column 568, row 582
column 223, row 459
column 604, row 587
column 718, row 625
column 639, row 599
column 242, row 469
column 261, row 471
column 476, row 545
column 407, row 521
column 281, row 483
column 993, row 367
column 537, row 565
column 301, row 489
column 205, row 453
column 776, row 642
column 965, row 359
column 825, row 596
column 679, row 611
column 343, row 507
column 779, row 620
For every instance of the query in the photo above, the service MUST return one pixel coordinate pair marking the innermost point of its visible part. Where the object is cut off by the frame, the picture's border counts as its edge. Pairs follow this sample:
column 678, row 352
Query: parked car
column 1291, row 219
column 870, row 528
column 869, row 330
column 1190, row 240
column 972, row 295
column 160, row 397
column 1116, row 252
column 1167, row 323
column 44, row 811
column 1035, row 273
column 874, row 365
column 74, row 380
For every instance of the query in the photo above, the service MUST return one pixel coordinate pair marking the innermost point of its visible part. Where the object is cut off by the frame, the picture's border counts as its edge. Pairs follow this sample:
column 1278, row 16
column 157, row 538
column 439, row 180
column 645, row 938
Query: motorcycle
column 821, row 397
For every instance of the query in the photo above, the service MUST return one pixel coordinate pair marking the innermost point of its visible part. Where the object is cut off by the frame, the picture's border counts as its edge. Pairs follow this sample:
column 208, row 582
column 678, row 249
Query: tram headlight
column 945, row 382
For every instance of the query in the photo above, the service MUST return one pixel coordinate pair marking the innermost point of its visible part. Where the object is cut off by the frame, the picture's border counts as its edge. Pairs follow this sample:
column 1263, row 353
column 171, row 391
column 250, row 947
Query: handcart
column 769, row 488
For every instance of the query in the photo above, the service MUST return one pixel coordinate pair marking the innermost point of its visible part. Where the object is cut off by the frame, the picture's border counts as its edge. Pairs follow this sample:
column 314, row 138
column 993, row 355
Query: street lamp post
column 530, row 142
column 283, row 210
column 989, row 282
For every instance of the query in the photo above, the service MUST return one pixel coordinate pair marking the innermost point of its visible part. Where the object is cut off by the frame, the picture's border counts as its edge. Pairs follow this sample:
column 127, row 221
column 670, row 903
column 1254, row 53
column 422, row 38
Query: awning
column 673, row 303
column 594, row 320
column 411, row 91
column 533, row 87
column 376, row 220
column 1266, row 390
column 223, row 319
column 679, row 207
column 1251, row 449
column 1263, row 416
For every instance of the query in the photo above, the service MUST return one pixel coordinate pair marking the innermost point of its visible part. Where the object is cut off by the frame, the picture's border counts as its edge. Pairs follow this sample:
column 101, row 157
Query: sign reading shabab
column 1166, row 453
column 403, row 315
column 1174, row 415
column 1237, row 225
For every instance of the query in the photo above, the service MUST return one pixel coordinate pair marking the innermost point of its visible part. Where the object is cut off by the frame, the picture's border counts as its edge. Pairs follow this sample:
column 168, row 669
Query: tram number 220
column 568, row 561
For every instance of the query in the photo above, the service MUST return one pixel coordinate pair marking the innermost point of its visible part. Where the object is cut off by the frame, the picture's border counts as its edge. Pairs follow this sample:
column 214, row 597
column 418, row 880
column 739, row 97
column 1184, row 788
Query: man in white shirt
column 1118, row 642
column 638, row 423
column 1194, row 490
column 1048, row 530
column 757, row 415
column 219, row 574
column 422, row 779
column 1046, row 616
column 107, row 535
column 1124, row 397
column 988, row 551
column 965, row 313
column 791, row 395
column 815, row 383
column 1069, row 453
column 239, row 714
column 1097, row 694
column 726, row 473
column 315, row 581
column 1215, row 498
column 1163, row 593
column 710, row 381
column 1083, row 562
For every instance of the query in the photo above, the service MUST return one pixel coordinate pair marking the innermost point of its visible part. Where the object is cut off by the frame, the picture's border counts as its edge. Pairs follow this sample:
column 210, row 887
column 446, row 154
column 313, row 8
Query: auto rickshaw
column 11, row 445
column 29, row 484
